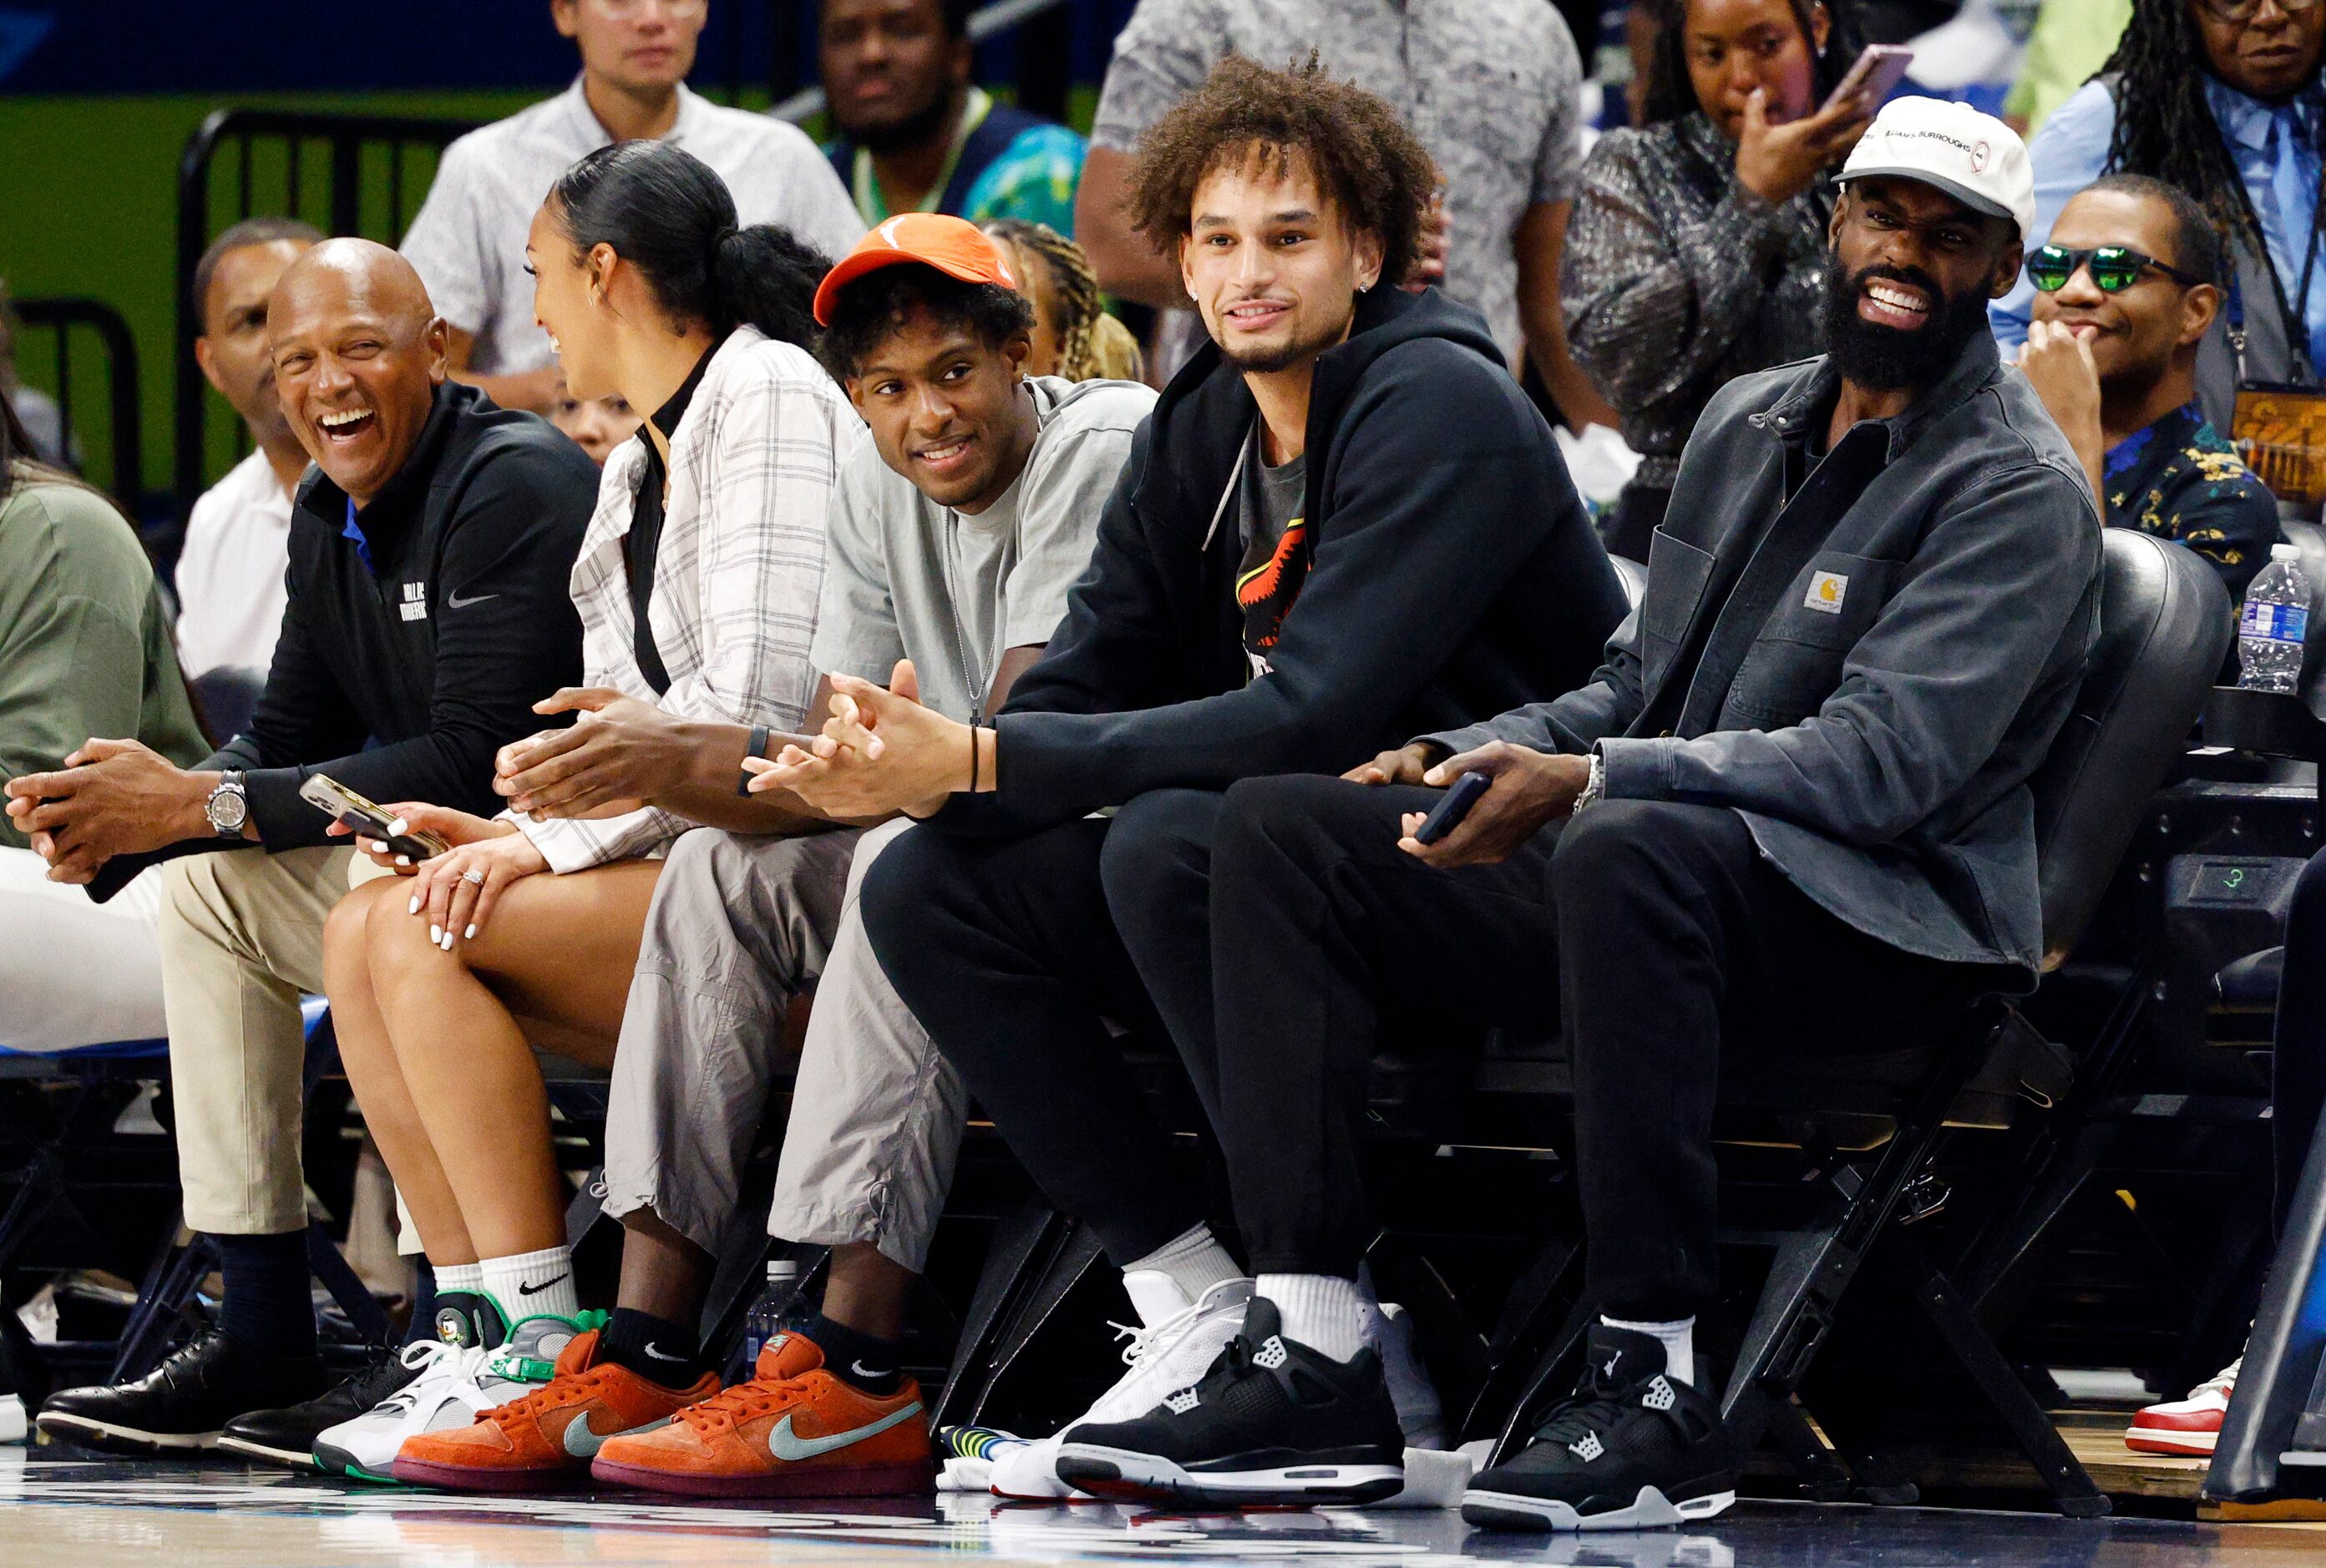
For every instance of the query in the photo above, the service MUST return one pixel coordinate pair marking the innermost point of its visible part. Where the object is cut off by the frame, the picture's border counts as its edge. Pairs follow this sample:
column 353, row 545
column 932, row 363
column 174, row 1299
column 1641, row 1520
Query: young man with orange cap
column 956, row 529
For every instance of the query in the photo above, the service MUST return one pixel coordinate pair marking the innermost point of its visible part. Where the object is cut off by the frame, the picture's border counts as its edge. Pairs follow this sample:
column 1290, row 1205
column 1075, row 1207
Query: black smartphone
column 1449, row 811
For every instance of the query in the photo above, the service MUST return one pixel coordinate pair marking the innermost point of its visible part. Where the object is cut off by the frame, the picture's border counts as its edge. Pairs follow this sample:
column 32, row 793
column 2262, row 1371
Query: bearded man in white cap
column 1796, row 791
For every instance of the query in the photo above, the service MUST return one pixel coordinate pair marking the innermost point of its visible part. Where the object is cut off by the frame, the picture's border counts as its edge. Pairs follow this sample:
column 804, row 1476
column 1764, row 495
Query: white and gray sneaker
column 1176, row 1340
column 452, row 1379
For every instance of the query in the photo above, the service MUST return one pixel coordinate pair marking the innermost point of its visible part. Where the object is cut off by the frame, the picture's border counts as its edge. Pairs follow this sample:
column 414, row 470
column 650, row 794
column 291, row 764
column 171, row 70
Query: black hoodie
column 1457, row 576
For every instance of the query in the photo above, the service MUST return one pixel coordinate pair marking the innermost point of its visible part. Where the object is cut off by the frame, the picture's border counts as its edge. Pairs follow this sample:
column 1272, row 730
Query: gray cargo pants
column 737, row 927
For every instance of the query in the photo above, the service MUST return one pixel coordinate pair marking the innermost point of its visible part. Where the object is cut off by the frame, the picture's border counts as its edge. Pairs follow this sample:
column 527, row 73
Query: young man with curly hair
column 1341, row 517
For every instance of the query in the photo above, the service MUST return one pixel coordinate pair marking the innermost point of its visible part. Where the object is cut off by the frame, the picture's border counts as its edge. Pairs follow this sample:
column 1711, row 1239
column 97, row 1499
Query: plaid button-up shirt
column 738, row 573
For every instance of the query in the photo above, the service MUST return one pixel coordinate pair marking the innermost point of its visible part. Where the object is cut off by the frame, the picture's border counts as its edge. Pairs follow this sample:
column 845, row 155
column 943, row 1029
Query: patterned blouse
column 2179, row 480
column 1679, row 279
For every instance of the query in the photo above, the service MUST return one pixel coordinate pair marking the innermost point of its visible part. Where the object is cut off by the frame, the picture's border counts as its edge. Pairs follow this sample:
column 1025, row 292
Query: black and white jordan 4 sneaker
column 1271, row 1423
column 1633, row 1450
column 186, row 1402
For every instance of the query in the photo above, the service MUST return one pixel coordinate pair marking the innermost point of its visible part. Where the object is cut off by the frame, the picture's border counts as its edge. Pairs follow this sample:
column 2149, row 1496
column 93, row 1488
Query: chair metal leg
column 1950, row 1312
column 329, row 1266
column 1023, row 1240
column 1824, row 1479
column 1077, row 1252
column 167, row 1293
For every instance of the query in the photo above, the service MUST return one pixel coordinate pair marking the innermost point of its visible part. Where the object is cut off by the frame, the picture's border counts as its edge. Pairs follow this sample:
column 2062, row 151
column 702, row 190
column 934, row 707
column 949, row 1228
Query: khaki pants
column 738, row 925
column 241, row 933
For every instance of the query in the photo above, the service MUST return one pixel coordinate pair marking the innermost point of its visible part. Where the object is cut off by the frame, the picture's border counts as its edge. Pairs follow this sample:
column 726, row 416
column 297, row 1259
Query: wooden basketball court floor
column 61, row 1507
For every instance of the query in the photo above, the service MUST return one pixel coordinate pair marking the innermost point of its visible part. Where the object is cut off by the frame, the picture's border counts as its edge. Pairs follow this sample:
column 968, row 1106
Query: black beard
column 931, row 122
column 1885, row 358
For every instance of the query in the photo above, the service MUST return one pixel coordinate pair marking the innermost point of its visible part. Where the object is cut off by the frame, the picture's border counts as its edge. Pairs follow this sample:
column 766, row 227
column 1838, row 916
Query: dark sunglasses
column 2114, row 267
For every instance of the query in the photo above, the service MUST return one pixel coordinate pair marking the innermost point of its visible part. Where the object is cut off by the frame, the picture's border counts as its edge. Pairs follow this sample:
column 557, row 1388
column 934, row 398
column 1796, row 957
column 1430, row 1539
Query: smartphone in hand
column 359, row 815
column 1878, row 67
column 1448, row 813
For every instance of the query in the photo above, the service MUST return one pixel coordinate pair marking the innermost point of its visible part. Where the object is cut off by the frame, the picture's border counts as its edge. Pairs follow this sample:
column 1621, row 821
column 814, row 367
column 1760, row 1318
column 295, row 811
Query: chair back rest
column 2166, row 624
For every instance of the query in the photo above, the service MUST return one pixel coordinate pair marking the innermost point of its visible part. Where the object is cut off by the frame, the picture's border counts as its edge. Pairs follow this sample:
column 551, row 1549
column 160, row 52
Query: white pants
column 74, row 972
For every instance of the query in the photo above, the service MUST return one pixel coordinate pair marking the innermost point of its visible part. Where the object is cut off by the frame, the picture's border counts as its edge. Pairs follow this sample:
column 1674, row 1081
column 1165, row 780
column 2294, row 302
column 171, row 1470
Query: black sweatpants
column 1015, row 954
column 1656, row 931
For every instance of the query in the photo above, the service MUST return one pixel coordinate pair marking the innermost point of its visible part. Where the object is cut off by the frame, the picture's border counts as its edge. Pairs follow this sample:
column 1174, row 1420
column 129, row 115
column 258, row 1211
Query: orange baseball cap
column 954, row 247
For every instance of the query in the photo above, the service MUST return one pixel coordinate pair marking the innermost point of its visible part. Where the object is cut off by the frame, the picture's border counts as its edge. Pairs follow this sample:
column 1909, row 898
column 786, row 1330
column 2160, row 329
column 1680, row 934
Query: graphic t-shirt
column 2178, row 480
column 1275, row 549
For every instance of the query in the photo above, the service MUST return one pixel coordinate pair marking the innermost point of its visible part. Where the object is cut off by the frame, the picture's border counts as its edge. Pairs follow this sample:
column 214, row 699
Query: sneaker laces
column 742, row 1401
column 1147, row 1341
column 420, row 1358
column 566, row 1389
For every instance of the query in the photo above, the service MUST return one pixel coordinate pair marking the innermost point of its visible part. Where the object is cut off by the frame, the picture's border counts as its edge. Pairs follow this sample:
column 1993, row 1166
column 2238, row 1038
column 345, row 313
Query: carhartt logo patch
column 1826, row 590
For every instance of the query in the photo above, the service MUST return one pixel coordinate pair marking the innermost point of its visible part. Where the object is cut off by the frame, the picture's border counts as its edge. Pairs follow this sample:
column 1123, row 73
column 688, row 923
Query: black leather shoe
column 185, row 1403
column 287, row 1436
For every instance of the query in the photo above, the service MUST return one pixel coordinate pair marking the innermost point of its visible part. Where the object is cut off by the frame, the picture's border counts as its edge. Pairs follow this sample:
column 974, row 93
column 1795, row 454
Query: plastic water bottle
column 2275, row 622
column 766, row 1321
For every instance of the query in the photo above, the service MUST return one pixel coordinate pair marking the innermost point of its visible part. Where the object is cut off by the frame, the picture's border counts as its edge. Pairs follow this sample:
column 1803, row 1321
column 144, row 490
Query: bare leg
column 663, row 1272
column 368, row 1055
column 867, row 1291
column 558, row 952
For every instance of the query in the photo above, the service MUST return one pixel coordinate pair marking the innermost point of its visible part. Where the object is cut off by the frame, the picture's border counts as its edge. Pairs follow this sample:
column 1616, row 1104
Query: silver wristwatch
column 1594, row 787
column 227, row 806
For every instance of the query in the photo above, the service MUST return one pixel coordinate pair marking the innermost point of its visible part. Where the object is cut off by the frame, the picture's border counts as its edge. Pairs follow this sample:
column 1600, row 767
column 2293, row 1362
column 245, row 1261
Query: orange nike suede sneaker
column 793, row 1430
column 547, row 1438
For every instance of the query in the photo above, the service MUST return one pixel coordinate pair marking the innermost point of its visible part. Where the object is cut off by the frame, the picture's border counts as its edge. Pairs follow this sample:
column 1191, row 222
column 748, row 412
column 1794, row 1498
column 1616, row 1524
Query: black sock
column 422, row 1326
column 265, row 1306
column 669, row 1353
column 863, row 1361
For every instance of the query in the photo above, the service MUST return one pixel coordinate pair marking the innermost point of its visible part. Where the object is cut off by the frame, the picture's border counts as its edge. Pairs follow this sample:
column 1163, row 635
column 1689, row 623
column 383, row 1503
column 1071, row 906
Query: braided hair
column 1090, row 343
column 2163, row 125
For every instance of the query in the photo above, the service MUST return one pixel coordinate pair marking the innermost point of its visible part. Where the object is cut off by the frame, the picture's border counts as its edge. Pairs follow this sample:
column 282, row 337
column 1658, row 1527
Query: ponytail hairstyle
column 664, row 211
column 1090, row 343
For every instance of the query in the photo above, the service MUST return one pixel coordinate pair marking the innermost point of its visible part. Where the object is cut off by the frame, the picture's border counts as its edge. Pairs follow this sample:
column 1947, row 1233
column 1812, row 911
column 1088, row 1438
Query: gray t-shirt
column 1492, row 87
column 906, row 577
column 1269, row 506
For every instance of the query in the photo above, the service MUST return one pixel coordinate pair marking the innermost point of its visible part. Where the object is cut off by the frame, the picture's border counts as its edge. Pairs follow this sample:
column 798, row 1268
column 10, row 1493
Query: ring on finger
column 476, row 876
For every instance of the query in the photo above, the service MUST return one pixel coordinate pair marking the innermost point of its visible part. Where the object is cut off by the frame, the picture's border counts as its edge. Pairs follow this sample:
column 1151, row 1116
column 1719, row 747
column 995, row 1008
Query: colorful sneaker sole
column 463, row 1478
column 867, row 1480
column 1117, row 1473
column 1648, row 1511
column 2183, row 1444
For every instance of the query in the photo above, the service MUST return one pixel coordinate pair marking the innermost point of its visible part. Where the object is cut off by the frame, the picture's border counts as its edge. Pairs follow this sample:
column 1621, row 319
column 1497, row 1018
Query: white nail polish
column 448, row 942
column 435, row 932
column 395, row 828
column 412, row 907
column 404, row 860
column 469, row 934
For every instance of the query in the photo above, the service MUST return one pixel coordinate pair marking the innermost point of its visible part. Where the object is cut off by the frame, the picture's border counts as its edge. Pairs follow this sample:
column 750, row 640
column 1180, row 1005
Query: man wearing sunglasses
column 2221, row 99
column 2125, row 293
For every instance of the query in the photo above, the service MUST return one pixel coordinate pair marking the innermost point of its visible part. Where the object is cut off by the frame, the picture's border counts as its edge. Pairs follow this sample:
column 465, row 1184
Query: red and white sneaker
column 2188, row 1426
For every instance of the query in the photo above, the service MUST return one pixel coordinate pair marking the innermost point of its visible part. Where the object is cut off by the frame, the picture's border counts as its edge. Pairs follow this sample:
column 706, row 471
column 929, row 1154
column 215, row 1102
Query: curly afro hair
column 1363, row 156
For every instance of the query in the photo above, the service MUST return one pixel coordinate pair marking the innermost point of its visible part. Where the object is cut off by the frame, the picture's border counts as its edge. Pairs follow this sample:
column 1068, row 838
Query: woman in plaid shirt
column 697, row 584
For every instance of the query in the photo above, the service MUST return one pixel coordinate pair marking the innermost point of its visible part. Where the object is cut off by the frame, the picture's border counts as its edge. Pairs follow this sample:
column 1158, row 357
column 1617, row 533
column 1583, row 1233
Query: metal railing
column 347, row 174
column 68, row 320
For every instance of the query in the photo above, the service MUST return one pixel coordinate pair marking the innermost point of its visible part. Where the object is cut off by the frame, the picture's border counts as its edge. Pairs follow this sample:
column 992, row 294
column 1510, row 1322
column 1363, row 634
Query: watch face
column 228, row 810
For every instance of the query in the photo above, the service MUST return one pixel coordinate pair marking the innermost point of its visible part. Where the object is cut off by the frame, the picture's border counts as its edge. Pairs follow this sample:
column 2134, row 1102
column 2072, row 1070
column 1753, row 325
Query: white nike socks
column 531, row 1283
column 1678, row 1340
column 1322, row 1311
column 1194, row 1260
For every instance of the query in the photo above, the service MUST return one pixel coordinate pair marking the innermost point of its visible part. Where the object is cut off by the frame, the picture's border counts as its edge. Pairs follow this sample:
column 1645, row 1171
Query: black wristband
column 758, row 747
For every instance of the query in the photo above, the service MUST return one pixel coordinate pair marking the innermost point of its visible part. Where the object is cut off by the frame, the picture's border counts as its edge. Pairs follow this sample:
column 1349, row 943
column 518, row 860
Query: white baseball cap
column 1973, row 157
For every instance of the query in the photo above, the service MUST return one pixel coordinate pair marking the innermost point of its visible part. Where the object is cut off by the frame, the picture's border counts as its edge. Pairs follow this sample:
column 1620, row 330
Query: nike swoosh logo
column 862, row 1370
column 537, row 1289
column 583, row 1442
column 454, row 601
column 792, row 1450
column 659, row 1356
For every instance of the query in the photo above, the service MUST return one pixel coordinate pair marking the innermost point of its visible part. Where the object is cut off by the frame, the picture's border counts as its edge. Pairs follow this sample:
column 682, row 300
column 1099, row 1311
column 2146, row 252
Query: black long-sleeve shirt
column 427, row 624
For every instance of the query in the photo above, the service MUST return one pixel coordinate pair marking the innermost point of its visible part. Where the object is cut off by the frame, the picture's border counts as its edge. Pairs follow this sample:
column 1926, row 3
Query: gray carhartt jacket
column 1881, row 729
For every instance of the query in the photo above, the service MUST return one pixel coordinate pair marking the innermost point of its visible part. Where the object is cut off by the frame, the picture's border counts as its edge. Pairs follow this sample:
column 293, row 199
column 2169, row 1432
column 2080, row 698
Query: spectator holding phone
column 427, row 610
column 1696, row 250
column 697, row 585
